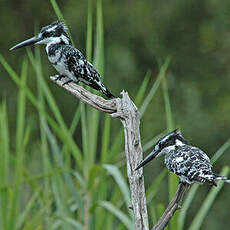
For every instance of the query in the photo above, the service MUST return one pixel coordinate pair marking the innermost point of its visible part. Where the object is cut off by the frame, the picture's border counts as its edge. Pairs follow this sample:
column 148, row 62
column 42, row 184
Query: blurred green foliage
column 138, row 35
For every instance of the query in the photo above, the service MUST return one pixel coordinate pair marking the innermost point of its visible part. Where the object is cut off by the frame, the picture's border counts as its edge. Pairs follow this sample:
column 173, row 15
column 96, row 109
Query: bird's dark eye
column 46, row 34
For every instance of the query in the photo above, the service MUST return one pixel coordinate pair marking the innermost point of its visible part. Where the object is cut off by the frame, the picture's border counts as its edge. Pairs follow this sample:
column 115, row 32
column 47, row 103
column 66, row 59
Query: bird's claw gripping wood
column 59, row 77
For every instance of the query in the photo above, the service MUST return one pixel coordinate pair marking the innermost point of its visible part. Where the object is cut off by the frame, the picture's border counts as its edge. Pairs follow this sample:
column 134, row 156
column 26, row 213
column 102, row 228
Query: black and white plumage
column 65, row 58
column 190, row 163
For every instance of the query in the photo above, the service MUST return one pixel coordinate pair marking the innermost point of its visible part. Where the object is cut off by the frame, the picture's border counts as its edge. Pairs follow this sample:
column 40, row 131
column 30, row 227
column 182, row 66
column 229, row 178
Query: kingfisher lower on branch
column 65, row 58
column 190, row 163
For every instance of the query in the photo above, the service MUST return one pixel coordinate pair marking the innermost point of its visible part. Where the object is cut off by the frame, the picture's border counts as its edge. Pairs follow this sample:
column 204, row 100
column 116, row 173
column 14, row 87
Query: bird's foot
column 67, row 82
column 59, row 77
column 182, row 182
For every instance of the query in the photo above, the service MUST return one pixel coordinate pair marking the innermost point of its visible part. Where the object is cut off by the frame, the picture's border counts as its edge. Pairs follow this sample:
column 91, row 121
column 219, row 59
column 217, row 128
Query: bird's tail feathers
column 223, row 178
column 105, row 91
column 210, row 179
column 96, row 84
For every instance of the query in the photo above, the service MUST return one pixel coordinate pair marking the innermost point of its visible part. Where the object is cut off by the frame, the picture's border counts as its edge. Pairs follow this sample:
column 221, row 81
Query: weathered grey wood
column 130, row 118
column 97, row 102
column 128, row 113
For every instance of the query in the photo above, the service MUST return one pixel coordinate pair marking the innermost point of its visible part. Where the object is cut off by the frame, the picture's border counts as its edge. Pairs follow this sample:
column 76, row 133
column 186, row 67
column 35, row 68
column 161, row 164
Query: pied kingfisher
column 65, row 58
column 190, row 163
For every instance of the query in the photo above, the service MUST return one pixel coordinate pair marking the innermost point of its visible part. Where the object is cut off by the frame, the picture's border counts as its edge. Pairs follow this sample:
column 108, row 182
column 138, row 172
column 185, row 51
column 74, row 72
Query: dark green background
column 138, row 36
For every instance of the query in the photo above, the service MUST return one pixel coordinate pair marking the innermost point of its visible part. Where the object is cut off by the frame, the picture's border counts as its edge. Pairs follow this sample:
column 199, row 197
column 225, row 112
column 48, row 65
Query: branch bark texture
column 128, row 113
column 130, row 118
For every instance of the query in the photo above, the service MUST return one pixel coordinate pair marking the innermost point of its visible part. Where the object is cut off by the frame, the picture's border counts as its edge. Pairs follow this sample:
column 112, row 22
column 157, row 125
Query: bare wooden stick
column 128, row 113
column 97, row 102
column 172, row 207
column 130, row 118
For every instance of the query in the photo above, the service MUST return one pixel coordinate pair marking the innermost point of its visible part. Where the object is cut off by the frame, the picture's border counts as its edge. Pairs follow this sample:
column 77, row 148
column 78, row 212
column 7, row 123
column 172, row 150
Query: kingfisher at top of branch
column 65, row 58
column 190, row 163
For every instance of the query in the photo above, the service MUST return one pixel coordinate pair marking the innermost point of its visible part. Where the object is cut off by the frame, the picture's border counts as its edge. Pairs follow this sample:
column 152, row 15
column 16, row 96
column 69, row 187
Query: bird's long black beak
column 147, row 159
column 27, row 42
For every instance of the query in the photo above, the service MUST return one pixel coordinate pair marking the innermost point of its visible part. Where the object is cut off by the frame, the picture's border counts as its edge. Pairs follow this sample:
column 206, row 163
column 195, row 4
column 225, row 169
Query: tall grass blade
column 20, row 126
column 142, row 89
column 20, row 129
column 160, row 210
column 61, row 200
column 168, row 111
column 173, row 180
column 153, row 214
column 93, row 115
column 77, row 225
column 117, row 145
column 220, row 151
column 99, row 46
column 85, row 126
column 105, row 140
column 118, row 213
column 189, row 198
column 153, row 189
column 75, row 120
column 89, row 33
column 4, row 166
column 116, row 174
column 148, row 145
column 155, row 86
column 30, row 204
column 57, row 10
column 85, row 140
column 60, row 15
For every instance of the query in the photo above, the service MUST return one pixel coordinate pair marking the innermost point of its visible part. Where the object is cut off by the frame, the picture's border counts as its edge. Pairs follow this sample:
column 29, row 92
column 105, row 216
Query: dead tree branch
column 128, row 113
column 172, row 207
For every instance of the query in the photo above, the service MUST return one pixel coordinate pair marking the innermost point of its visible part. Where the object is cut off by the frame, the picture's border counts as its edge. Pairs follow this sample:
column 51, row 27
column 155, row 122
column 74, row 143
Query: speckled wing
column 190, row 163
column 70, row 62
column 80, row 67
